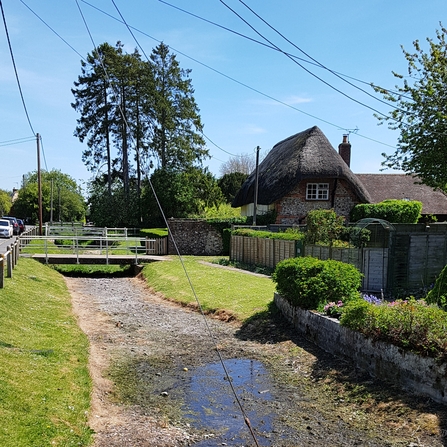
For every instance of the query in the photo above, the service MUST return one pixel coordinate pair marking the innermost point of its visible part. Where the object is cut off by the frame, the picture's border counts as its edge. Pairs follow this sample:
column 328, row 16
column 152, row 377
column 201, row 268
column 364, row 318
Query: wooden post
column 9, row 265
column 2, row 271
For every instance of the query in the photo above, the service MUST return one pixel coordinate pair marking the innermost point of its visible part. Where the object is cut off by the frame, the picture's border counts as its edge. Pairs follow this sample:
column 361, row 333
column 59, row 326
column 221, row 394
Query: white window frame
column 317, row 191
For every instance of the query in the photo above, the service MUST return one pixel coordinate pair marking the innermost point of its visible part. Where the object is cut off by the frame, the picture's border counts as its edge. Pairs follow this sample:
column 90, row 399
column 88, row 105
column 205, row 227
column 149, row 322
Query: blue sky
column 249, row 95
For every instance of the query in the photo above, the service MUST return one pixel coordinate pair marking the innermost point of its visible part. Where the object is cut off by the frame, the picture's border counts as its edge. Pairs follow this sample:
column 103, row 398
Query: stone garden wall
column 194, row 237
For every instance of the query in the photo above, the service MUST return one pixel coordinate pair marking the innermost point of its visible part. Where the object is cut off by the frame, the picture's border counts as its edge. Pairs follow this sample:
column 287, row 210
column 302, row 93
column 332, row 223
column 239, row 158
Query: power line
column 15, row 69
column 319, row 64
column 54, row 31
column 17, row 141
column 272, row 47
column 304, row 68
column 236, row 81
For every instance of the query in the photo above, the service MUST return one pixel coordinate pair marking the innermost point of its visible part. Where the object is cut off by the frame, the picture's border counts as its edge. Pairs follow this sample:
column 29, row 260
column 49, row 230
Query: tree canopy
column 420, row 113
column 5, row 202
column 135, row 116
column 61, row 198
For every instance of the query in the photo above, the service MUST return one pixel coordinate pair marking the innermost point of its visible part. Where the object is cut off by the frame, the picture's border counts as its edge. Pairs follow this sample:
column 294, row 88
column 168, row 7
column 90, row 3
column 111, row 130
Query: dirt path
column 146, row 355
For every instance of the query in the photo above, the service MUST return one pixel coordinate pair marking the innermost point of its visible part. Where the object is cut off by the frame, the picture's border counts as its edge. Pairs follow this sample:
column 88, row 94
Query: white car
column 6, row 229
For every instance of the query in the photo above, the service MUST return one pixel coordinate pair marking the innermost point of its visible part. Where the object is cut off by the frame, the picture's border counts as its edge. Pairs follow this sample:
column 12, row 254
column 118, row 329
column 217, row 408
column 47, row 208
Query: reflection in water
column 211, row 405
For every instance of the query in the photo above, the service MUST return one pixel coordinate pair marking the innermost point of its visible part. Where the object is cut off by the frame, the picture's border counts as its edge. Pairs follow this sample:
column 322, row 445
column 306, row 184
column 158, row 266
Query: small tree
column 324, row 226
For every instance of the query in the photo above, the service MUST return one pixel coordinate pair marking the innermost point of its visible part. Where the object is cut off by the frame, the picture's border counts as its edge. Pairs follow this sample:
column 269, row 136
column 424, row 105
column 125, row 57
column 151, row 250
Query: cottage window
column 317, row 191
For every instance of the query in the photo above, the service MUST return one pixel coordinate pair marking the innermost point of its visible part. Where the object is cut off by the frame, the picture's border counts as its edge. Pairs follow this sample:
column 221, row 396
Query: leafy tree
column 180, row 194
column 5, row 202
column 114, row 210
column 420, row 114
column 60, row 193
column 231, row 183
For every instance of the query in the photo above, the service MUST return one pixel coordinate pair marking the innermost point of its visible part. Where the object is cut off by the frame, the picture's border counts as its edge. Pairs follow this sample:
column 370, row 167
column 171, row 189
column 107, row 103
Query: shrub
column 394, row 211
column 310, row 283
column 410, row 324
column 438, row 295
column 323, row 226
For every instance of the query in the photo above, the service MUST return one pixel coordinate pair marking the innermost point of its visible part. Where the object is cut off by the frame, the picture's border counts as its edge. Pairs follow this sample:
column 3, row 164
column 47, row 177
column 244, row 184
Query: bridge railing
column 92, row 245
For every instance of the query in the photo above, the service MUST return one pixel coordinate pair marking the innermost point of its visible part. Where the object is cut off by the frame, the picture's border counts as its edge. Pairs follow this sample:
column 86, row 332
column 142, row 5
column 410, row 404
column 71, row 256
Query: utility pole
column 255, row 204
column 51, row 205
column 39, row 184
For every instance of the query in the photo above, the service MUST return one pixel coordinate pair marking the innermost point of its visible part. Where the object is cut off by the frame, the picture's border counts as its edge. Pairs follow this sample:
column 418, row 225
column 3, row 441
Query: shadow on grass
column 350, row 384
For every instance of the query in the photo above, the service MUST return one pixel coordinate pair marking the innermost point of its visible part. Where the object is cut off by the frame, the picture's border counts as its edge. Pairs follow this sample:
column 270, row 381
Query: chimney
column 344, row 149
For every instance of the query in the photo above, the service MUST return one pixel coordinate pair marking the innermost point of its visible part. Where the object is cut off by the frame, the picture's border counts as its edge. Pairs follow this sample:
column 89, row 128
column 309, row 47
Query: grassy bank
column 218, row 289
column 44, row 382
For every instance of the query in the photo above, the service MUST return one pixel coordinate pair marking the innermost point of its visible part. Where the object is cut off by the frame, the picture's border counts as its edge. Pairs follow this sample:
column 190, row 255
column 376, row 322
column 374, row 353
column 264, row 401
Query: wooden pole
column 39, row 184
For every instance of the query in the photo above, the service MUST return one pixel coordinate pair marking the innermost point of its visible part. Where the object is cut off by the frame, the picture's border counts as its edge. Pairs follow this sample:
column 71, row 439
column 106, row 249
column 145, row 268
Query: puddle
column 211, row 406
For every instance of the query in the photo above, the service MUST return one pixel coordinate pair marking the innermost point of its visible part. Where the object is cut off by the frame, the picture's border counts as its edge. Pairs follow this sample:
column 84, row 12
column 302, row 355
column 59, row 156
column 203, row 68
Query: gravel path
column 149, row 358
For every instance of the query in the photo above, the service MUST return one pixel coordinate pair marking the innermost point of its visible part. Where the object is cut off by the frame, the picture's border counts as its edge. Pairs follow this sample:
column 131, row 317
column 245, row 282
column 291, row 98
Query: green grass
column 154, row 232
column 239, row 293
column 44, row 381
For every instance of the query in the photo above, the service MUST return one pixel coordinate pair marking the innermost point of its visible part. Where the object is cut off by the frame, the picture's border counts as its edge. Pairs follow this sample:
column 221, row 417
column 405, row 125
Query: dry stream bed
column 158, row 380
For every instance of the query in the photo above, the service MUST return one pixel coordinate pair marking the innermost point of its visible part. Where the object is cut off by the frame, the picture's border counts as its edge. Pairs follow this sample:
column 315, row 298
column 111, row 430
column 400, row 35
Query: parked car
column 15, row 224
column 6, row 228
column 22, row 227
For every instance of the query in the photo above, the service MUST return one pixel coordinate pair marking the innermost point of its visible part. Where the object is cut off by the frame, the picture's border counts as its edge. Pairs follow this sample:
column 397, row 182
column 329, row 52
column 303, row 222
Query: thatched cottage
column 304, row 172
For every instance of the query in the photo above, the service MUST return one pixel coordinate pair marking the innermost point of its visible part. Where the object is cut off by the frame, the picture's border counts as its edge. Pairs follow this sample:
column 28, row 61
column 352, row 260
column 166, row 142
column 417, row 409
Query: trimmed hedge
column 394, row 211
column 287, row 235
column 310, row 283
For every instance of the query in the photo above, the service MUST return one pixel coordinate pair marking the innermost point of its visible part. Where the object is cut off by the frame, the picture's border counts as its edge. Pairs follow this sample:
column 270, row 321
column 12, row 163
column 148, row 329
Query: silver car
column 6, row 229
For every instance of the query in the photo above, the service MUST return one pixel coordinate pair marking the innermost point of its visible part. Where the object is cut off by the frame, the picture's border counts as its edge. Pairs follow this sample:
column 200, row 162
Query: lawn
column 44, row 380
column 216, row 288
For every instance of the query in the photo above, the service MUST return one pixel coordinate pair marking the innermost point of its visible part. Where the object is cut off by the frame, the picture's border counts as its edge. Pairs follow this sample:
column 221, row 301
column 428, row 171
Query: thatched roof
column 402, row 186
column 306, row 155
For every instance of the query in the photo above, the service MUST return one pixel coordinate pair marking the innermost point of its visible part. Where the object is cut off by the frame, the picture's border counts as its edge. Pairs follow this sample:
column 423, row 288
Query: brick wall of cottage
column 292, row 209
column 194, row 237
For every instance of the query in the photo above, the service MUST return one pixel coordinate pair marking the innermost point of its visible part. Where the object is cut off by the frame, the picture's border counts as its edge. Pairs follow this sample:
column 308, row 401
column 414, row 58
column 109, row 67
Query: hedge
column 394, row 211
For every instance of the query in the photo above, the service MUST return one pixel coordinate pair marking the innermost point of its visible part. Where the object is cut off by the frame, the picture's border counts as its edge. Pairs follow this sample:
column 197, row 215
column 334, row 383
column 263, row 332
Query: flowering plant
column 333, row 309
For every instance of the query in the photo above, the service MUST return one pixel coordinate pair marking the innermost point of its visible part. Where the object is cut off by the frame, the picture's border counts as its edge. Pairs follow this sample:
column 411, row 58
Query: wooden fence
column 406, row 261
column 8, row 261
column 261, row 251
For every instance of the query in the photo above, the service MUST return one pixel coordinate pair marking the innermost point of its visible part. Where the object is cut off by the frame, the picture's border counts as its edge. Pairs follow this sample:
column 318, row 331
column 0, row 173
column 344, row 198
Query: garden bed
column 421, row 375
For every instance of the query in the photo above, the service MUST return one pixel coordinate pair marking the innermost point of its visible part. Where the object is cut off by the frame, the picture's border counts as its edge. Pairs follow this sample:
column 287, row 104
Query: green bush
column 310, row 283
column 438, row 295
column 324, row 226
column 410, row 324
column 394, row 211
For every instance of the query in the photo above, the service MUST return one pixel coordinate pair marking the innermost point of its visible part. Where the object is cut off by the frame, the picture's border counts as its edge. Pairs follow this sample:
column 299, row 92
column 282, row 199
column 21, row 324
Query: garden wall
column 421, row 375
column 194, row 237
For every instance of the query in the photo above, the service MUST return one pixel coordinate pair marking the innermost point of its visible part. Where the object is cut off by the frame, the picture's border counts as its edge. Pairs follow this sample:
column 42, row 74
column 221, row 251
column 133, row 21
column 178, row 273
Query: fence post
column 9, row 266
column 2, row 271
column 17, row 251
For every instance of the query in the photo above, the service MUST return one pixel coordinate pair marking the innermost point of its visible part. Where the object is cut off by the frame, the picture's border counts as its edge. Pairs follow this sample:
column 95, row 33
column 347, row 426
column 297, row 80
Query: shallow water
column 212, row 406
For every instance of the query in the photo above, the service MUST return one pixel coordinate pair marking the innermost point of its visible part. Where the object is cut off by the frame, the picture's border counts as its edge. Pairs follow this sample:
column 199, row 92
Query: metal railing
column 91, row 246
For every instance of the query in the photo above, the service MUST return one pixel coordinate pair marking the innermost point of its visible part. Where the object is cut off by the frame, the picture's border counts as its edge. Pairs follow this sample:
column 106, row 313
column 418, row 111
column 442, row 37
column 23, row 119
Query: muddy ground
column 158, row 380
